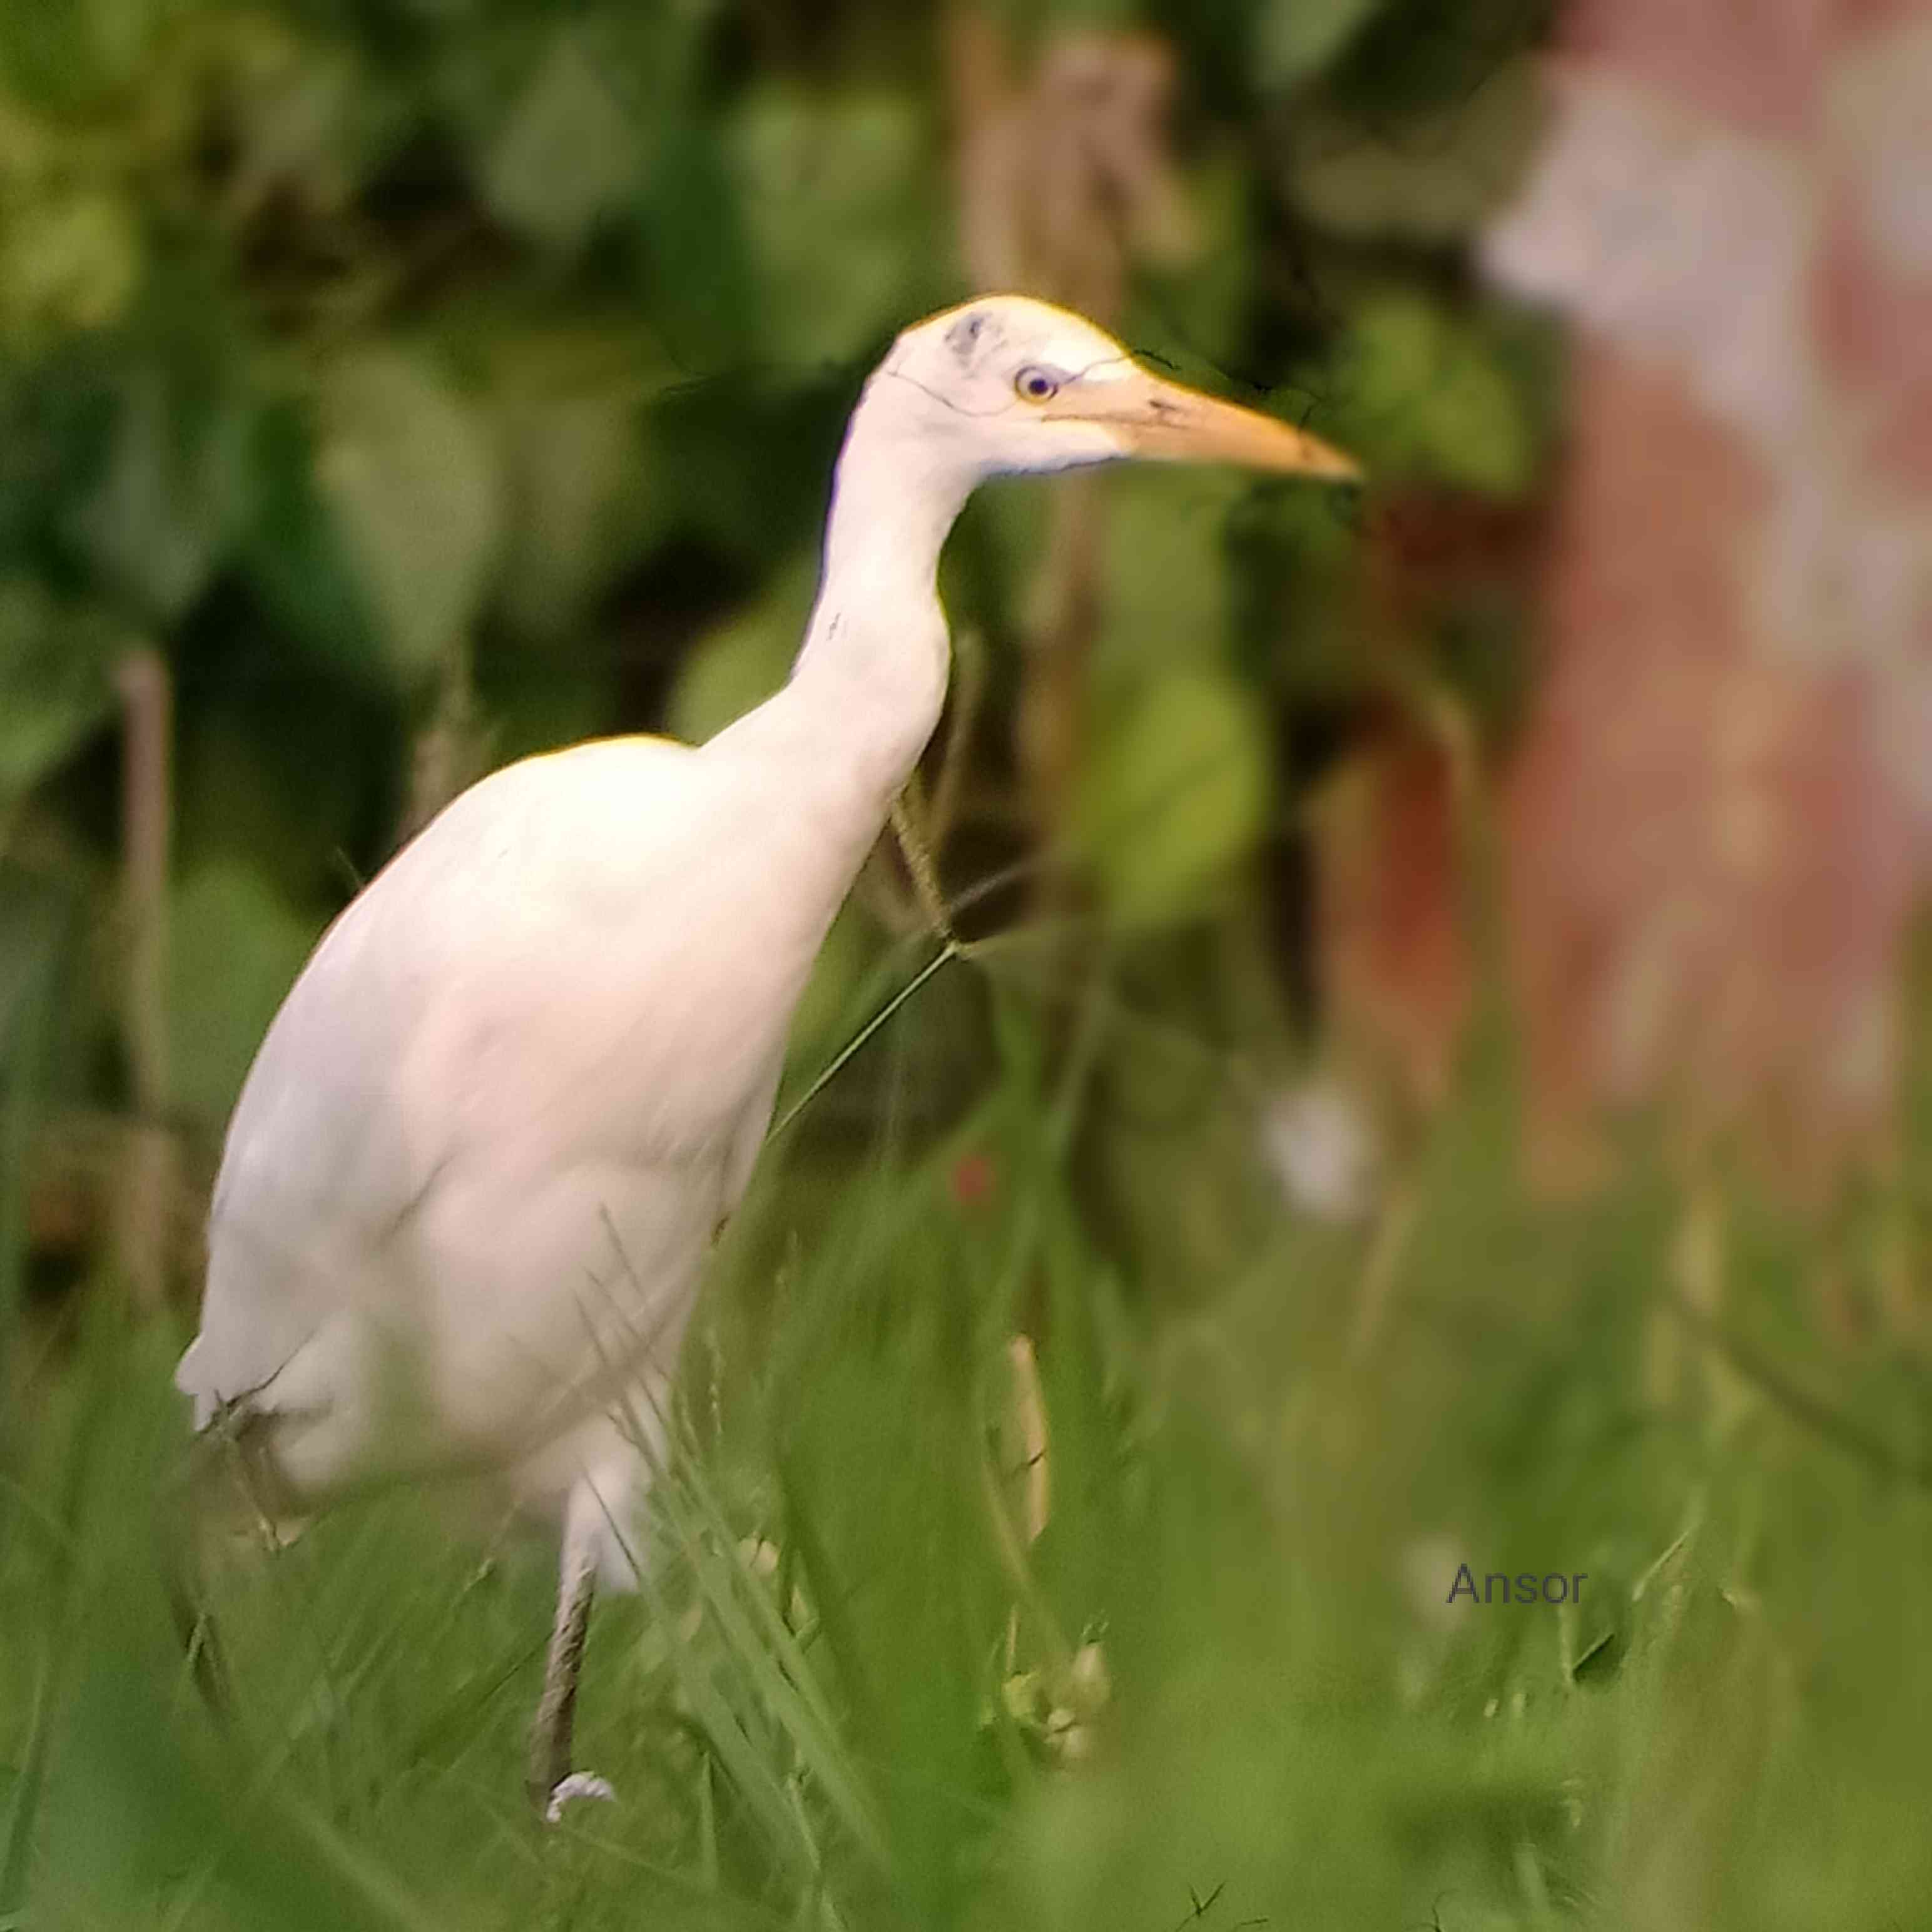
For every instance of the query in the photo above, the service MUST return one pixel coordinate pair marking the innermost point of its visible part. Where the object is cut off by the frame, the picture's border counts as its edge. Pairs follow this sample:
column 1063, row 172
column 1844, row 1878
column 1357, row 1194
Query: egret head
column 1004, row 384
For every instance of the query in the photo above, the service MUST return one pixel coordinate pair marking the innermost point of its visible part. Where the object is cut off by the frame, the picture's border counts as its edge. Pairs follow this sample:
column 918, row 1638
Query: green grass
column 1223, row 1689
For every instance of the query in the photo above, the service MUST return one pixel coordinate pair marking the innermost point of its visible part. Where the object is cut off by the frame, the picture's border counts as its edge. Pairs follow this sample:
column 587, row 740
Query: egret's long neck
column 870, row 678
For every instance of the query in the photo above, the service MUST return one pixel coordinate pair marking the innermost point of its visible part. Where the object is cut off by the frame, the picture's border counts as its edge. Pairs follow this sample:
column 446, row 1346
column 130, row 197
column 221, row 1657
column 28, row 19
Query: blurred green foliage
column 338, row 342
column 353, row 352
column 1231, row 1684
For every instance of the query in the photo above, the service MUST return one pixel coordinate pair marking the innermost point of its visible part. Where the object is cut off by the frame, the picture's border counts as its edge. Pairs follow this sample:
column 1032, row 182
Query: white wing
column 515, row 1087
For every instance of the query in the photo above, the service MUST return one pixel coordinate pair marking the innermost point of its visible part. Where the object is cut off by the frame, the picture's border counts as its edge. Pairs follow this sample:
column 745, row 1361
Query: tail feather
column 191, row 1378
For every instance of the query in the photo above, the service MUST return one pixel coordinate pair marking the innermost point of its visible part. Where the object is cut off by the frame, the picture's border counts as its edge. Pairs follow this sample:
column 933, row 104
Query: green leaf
column 173, row 496
column 585, row 498
column 1196, row 303
column 1602, row 1658
column 56, row 685
column 310, row 119
column 1422, row 393
column 1165, row 573
column 234, row 949
column 70, row 262
column 412, row 481
column 1435, row 176
column 1296, row 38
column 295, row 554
column 584, row 501
column 702, row 284
column 744, row 660
column 65, row 52
column 567, row 153
column 833, row 204
column 1176, row 794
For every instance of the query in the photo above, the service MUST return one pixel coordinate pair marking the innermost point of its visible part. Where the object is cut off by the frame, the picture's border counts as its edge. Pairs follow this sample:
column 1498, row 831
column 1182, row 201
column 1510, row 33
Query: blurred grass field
column 1224, row 1686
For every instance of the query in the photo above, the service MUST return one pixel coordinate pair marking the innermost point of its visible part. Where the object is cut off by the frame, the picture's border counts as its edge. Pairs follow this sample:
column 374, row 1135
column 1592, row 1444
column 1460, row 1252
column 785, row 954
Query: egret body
column 468, row 1189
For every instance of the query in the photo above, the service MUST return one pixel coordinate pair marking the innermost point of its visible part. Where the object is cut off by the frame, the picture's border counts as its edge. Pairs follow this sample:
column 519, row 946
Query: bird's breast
column 642, row 1047
column 545, row 1293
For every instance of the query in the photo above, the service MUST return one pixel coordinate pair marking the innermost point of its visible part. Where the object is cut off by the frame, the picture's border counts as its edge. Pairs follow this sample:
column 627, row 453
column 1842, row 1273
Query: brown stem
column 148, row 1176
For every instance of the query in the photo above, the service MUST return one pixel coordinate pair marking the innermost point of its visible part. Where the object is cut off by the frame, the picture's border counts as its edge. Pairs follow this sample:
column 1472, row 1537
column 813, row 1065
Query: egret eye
column 1037, row 385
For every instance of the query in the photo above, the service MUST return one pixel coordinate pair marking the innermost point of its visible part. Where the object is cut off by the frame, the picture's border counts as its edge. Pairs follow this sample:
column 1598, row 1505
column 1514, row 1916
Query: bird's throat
column 870, row 675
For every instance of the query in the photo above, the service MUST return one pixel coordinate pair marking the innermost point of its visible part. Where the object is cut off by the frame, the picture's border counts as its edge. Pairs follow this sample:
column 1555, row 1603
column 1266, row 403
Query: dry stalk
column 148, row 1173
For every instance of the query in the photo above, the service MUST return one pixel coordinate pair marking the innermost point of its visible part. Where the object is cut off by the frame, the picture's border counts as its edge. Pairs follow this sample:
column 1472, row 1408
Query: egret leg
column 549, row 1780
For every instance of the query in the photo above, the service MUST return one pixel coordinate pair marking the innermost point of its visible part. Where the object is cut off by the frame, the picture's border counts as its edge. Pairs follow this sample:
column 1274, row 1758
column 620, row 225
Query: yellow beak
column 1162, row 421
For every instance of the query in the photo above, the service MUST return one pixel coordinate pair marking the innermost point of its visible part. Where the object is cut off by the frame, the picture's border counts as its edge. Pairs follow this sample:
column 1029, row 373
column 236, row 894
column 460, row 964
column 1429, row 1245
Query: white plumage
column 480, row 1157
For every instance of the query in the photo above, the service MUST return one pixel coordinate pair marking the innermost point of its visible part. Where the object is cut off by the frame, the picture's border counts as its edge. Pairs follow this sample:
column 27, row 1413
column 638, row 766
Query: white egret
column 470, row 1183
